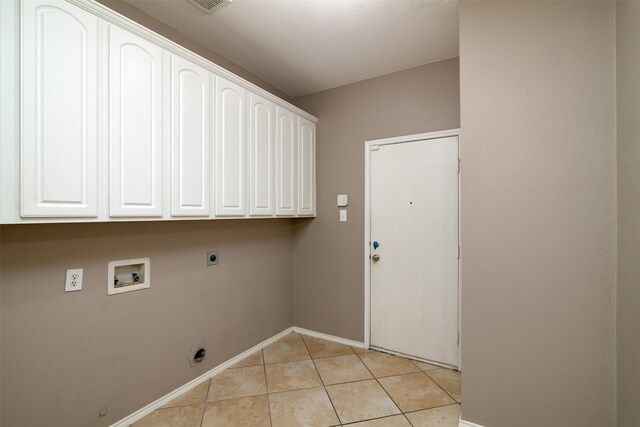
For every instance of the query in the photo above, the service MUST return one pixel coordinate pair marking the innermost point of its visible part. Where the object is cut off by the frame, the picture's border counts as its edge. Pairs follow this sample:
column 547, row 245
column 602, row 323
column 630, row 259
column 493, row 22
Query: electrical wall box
column 212, row 258
column 128, row 275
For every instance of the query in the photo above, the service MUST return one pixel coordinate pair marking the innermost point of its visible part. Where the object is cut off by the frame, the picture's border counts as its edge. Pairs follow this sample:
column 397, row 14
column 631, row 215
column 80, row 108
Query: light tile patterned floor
column 310, row 382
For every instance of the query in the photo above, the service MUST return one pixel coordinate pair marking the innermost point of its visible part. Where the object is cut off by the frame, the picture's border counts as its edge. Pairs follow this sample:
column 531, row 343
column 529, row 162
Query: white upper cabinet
column 286, row 162
column 116, row 123
column 190, row 138
column 230, row 149
column 135, row 148
column 59, row 167
column 261, row 155
column 306, row 167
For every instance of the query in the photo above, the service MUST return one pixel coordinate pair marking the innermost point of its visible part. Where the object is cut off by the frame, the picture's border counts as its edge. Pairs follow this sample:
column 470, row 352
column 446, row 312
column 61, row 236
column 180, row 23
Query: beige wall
column 538, row 213
column 66, row 355
column 628, row 297
column 328, row 267
column 164, row 30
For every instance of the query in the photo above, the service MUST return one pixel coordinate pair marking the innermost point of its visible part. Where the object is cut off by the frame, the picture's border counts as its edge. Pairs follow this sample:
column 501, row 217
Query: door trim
column 367, row 224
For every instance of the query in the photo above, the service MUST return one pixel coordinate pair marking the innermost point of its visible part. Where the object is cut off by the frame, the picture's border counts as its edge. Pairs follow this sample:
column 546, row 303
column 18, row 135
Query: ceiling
column 306, row 46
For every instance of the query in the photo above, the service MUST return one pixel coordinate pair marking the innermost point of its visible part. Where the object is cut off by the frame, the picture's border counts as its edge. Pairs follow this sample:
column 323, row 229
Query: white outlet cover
column 343, row 215
column 343, row 200
column 73, row 282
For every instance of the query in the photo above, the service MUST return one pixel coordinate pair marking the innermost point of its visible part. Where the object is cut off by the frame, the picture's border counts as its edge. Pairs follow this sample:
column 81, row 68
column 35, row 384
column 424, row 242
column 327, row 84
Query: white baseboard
column 328, row 337
column 463, row 423
column 141, row 413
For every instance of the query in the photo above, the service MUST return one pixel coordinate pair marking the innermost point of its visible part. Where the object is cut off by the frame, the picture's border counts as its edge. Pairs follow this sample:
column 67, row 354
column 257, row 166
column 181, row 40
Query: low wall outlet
column 343, row 215
column 73, row 281
column 343, row 200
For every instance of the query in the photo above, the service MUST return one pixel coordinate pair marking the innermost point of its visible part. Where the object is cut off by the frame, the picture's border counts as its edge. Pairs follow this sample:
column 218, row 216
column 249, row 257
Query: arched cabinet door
column 190, row 138
column 230, row 149
column 286, row 162
column 59, row 145
column 135, row 127
column 261, row 154
column 306, row 167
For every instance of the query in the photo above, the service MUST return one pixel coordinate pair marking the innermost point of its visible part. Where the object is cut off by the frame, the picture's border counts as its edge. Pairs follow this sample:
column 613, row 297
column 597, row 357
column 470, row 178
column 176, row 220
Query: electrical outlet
column 74, row 280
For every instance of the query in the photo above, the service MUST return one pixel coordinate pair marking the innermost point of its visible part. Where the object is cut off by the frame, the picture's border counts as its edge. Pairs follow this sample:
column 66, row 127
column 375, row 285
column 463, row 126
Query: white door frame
column 367, row 223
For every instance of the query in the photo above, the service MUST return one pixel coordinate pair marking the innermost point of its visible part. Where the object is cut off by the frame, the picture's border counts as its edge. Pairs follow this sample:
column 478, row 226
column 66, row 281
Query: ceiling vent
column 209, row 6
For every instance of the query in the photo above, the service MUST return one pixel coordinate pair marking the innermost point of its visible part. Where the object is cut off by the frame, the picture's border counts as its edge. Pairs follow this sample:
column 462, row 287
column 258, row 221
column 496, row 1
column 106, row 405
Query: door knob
column 375, row 258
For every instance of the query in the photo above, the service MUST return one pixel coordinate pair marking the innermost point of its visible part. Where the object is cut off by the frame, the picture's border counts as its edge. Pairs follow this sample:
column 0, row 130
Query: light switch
column 343, row 200
column 343, row 215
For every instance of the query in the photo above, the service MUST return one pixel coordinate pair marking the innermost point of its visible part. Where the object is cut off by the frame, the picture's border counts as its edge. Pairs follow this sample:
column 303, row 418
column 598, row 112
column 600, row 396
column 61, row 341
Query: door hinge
column 458, row 251
column 459, row 165
column 458, row 337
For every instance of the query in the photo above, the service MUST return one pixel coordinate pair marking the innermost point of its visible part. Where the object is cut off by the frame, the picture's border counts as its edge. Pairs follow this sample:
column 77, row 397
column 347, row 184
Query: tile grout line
column 428, row 409
column 436, row 382
column 295, row 389
column 264, row 370
column 204, row 408
column 321, row 380
column 234, row 367
column 385, row 390
column 415, row 362
column 442, row 388
column 232, row 398
column 376, row 419
column 310, row 387
column 204, row 405
column 349, row 382
column 408, row 420
column 435, row 407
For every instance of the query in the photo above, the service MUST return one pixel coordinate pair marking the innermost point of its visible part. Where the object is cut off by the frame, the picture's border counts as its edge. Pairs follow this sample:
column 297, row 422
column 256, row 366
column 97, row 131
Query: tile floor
column 306, row 381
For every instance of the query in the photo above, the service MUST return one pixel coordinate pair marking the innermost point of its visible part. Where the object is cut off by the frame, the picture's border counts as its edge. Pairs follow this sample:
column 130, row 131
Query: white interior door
column 414, row 267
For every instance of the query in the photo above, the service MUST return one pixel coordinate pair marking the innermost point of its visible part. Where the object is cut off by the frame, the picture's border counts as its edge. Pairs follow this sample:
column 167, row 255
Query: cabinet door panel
column 230, row 149
column 306, row 167
column 59, row 171
column 286, row 162
column 189, row 139
column 135, row 123
column 261, row 147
